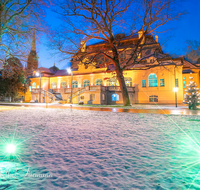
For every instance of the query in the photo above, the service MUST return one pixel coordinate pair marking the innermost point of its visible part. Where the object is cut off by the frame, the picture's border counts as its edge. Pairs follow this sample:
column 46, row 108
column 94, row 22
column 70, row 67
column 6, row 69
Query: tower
column 32, row 62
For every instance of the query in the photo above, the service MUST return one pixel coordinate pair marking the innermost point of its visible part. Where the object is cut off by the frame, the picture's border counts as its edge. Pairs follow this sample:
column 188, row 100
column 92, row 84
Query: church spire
column 33, row 46
column 32, row 62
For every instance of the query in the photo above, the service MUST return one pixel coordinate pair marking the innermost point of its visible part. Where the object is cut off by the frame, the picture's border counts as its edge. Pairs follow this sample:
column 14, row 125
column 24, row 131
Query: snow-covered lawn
column 73, row 149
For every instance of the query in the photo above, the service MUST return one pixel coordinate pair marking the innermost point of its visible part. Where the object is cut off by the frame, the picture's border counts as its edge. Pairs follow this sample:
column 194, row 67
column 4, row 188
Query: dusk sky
column 186, row 28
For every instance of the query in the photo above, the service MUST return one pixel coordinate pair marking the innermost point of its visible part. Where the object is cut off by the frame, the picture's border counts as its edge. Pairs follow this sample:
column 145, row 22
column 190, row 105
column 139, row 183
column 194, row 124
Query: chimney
column 141, row 35
column 83, row 46
column 156, row 38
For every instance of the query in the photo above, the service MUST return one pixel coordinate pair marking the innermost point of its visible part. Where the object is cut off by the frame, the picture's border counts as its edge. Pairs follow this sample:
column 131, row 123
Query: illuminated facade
column 150, row 81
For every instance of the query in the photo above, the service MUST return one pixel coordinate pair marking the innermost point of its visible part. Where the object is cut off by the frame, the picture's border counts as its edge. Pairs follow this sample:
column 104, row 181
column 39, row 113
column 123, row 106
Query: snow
column 73, row 149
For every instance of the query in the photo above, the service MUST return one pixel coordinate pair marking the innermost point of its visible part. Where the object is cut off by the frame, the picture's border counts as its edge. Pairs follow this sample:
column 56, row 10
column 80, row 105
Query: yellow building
column 150, row 81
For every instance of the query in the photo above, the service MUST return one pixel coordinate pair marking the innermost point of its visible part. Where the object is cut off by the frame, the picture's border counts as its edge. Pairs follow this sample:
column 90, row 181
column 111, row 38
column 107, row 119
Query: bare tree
column 101, row 19
column 193, row 51
column 17, row 18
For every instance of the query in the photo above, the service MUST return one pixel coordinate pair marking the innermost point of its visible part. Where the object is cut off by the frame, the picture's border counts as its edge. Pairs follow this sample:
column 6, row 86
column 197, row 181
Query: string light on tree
column 192, row 95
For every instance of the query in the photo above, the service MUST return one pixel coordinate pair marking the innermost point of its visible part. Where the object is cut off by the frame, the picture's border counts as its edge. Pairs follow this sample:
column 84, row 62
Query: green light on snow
column 10, row 148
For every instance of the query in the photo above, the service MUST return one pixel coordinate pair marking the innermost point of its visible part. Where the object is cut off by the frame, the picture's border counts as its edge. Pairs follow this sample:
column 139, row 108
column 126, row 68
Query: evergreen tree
column 192, row 95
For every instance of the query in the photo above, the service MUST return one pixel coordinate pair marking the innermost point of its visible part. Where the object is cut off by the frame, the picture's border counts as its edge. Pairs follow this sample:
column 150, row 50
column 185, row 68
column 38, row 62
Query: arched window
column 115, row 97
column 153, row 80
column 63, row 85
column 74, row 84
column 86, row 83
column 98, row 82
column 128, row 81
column 153, row 98
column 112, row 82
column 53, row 85
column 34, row 85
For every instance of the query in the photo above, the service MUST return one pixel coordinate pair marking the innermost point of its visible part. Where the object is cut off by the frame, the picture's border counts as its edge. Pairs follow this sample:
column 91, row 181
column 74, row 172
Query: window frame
column 115, row 97
column 176, row 82
column 86, row 82
column 152, row 98
column 162, row 82
column 74, row 84
column 97, row 81
column 52, row 85
column 34, row 85
column 144, row 85
column 153, row 81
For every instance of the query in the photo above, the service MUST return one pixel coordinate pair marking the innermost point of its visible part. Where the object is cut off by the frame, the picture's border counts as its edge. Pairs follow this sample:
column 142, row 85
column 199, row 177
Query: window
column 122, row 56
column 128, row 81
column 183, row 78
column 34, row 85
column 100, row 59
column 153, row 98
column 103, row 96
column 152, row 80
column 184, row 84
column 162, row 82
column 38, row 86
column 115, row 97
column 112, row 82
column 92, row 97
column 54, row 85
column 86, row 83
column 63, row 85
column 74, row 84
column 176, row 81
column 98, row 82
column 29, row 88
column 151, row 60
column 144, row 83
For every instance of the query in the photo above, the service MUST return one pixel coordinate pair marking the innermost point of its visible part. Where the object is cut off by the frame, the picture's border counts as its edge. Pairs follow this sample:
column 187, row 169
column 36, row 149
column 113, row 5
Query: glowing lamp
column 10, row 148
column 69, row 70
column 175, row 89
column 37, row 74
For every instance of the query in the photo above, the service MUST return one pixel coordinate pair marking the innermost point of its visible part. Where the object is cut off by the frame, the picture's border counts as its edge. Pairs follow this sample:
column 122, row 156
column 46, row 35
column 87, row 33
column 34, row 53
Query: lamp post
column 69, row 70
column 39, row 74
column 175, row 89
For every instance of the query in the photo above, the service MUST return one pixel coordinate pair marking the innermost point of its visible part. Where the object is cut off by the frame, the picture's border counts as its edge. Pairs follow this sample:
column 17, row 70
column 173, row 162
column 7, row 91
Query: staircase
column 77, row 93
column 57, row 95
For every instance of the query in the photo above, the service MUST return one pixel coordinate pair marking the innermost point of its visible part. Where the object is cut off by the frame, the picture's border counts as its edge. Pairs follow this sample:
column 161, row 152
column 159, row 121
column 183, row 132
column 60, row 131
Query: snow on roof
column 187, row 71
column 187, row 64
column 61, row 73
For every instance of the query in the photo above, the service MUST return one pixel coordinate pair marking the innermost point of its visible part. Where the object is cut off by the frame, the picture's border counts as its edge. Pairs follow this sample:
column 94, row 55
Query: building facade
column 150, row 81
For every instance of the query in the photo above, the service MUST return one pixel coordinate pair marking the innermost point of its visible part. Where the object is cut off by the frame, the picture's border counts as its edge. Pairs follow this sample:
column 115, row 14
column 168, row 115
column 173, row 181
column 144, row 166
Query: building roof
column 62, row 72
column 44, row 70
column 187, row 64
column 134, row 36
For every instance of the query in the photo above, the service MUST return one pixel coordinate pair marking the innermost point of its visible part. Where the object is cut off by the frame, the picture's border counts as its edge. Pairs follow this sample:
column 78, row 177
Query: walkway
column 152, row 109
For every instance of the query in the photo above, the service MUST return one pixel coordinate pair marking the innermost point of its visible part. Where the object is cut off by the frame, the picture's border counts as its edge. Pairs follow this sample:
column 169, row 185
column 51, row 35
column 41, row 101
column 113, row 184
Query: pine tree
column 192, row 95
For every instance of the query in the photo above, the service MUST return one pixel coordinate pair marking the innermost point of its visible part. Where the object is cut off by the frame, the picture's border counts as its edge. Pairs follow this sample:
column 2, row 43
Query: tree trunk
column 120, row 78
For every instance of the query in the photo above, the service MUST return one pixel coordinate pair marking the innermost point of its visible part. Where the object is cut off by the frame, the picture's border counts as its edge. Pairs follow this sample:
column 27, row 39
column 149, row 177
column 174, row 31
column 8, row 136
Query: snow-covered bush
column 192, row 95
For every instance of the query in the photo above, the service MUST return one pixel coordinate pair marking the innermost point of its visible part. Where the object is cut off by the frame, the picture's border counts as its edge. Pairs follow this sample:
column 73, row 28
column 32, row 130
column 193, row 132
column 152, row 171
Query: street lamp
column 69, row 70
column 39, row 74
column 175, row 89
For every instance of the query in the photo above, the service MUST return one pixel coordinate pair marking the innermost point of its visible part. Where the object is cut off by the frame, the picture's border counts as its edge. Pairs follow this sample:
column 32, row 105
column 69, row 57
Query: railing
column 36, row 90
column 117, row 88
column 44, row 92
column 68, row 90
column 114, row 88
column 78, row 91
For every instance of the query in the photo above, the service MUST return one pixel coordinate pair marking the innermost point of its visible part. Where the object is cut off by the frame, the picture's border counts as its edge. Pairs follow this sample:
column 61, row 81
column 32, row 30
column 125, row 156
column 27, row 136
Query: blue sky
column 186, row 28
